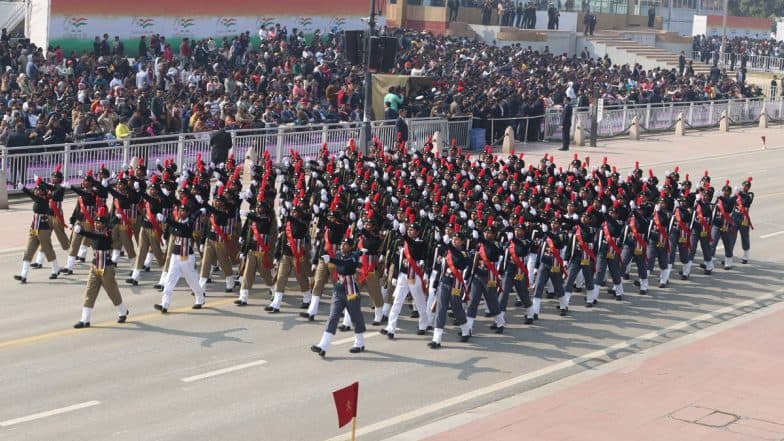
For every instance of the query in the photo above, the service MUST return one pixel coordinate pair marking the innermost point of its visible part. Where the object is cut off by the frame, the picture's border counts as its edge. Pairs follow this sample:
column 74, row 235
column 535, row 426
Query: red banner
column 346, row 400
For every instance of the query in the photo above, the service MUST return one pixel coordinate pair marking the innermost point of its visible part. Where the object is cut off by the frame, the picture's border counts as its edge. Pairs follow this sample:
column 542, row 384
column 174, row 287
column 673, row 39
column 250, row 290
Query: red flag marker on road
column 346, row 404
column 763, row 142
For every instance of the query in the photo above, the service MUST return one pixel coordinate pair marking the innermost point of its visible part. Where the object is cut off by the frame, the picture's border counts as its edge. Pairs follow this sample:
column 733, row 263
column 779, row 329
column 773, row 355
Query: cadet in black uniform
column 484, row 281
column 345, row 295
column 581, row 258
column 515, row 271
column 451, row 288
column 723, row 226
column 743, row 200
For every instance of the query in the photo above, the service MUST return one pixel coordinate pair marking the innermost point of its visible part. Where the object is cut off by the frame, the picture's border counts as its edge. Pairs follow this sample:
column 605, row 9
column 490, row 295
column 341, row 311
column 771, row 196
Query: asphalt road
column 229, row 373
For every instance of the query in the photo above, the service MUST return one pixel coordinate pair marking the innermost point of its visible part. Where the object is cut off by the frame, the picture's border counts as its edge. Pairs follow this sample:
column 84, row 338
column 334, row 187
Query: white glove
column 322, row 206
column 284, row 189
column 364, row 250
column 437, row 236
column 360, row 225
column 77, row 228
column 422, row 212
column 243, row 213
column 604, row 209
column 395, row 222
column 532, row 211
column 221, row 166
column 544, row 228
column 199, row 199
column 203, row 210
column 314, row 175
column 105, row 182
column 165, row 192
column 160, row 217
column 118, row 216
column 242, row 256
column 275, row 262
column 656, row 208
column 463, row 215
column 525, row 204
column 509, row 235
column 632, row 205
column 325, row 258
column 241, row 240
column 283, row 211
column 402, row 228
column 315, row 209
column 475, row 234
column 471, row 223
column 136, row 185
column 352, row 216
column 394, row 282
column 288, row 205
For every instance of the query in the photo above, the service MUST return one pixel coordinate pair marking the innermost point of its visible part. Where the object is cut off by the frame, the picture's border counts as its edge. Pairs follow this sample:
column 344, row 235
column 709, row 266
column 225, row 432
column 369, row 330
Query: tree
column 756, row 8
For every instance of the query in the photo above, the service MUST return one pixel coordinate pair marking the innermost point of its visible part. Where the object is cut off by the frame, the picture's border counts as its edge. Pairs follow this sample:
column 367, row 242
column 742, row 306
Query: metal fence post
column 233, row 134
column 279, row 146
column 710, row 113
column 647, row 115
column 444, row 135
column 181, row 152
column 746, row 109
column 325, row 134
column 691, row 114
column 126, row 150
column 66, row 161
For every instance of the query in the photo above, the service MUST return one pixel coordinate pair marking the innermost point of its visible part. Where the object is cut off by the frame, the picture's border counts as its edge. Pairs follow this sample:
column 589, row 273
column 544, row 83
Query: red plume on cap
column 452, row 218
column 728, row 182
column 90, row 172
column 706, row 174
column 220, row 190
column 141, row 162
column 58, row 168
column 552, row 158
column 184, row 200
column 120, row 176
column 490, row 221
column 573, row 196
column 616, row 203
column 154, row 179
column 518, row 209
column 102, row 211
column 411, row 218
column 604, row 160
column 662, row 194
column 39, row 181
column 748, row 179
column 687, row 177
column 676, row 169
column 614, row 170
column 348, row 233
column 575, row 156
column 650, row 172
column 636, row 165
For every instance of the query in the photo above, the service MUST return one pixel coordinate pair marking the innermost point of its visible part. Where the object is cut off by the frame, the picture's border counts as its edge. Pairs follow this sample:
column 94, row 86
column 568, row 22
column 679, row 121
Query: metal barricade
column 421, row 130
column 459, row 130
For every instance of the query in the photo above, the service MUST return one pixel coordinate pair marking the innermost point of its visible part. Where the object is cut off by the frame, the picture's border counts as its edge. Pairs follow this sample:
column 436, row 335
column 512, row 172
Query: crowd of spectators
column 49, row 97
column 739, row 50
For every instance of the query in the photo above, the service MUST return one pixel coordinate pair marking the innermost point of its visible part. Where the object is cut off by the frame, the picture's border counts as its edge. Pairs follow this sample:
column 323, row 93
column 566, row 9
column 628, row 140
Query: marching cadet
column 610, row 252
column 331, row 233
column 169, row 204
column 406, row 268
column 183, row 260
column 743, row 201
column 635, row 243
column 659, row 241
column 40, row 231
column 551, row 267
column 257, row 251
column 368, row 275
column 345, row 295
column 83, row 214
column 581, row 258
column 102, row 273
column 56, row 220
column 218, row 246
column 723, row 226
column 484, row 281
column 701, row 233
column 451, row 288
column 151, row 234
column 124, row 210
column 515, row 270
column 680, row 233
column 291, row 253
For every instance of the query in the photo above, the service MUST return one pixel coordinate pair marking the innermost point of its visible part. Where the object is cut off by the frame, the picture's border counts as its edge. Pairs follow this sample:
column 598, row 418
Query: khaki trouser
column 253, row 264
column 373, row 287
column 169, row 251
column 78, row 240
column 321, row 277
column 216, row 251
column 122, row 239
column 94, row 283
column 42, row 238
column 149, row 240
column 285, row 267
column 59, row 231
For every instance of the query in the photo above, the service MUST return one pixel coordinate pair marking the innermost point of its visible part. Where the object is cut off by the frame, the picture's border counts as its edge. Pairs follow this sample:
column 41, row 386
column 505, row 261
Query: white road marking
column 471, row 395
column 777, row 233
column 351, row 339
column 223, row 371
column 38, row 416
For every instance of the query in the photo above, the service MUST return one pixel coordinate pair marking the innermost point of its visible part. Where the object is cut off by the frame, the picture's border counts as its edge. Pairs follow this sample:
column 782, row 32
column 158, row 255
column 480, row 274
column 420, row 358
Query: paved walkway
column 727, row 386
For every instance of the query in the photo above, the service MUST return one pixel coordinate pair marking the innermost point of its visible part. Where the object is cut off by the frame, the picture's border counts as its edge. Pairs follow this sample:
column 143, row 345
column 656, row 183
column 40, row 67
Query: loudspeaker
column 354, row 46
column 383, row 51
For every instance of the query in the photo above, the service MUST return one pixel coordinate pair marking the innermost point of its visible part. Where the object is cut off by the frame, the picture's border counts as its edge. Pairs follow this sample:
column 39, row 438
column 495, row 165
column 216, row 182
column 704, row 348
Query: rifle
column 467, row 295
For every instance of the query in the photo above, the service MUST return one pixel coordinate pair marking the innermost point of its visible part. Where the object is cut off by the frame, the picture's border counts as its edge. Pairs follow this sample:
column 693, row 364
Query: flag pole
column 354, row 429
